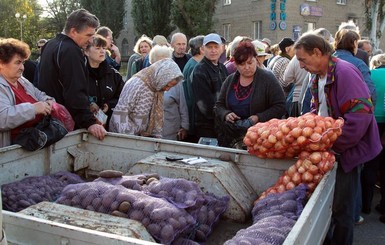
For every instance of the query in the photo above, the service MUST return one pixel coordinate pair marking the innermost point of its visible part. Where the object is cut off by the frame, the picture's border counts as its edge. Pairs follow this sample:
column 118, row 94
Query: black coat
column 206, row 83
column 64, row 76
column 105, row 86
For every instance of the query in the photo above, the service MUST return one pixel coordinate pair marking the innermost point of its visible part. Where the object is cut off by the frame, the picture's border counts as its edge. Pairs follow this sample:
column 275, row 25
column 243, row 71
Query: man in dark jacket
column 206, row 82
column 63, row 71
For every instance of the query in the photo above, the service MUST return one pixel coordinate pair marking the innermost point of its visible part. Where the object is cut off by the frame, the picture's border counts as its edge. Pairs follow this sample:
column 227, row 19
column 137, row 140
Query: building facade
column 273, row 19
column 276, row 19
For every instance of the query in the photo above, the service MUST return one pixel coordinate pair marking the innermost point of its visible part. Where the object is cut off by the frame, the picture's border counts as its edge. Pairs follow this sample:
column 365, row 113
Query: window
column 226, row 2
column 342, row 2
column 226, row 31
column 257, row 29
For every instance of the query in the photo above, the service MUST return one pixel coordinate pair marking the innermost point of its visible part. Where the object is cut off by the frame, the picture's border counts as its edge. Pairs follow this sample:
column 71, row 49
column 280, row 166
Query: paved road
column 372, row 231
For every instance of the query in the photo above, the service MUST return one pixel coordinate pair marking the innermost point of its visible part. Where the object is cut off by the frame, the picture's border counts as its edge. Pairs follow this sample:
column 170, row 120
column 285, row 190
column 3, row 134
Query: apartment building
column 273, row 19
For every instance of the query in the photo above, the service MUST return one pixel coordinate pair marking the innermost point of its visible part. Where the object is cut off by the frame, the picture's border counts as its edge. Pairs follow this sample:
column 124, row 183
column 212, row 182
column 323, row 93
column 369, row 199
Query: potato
column 124, row 207
column 110, row 174
column 109, row 198
column 136, row 215
column 146, row 221
column 150, row 180
column 174, row 223
column 153, row 229
column 167, row 233
column 119, row 214
column 96, row 203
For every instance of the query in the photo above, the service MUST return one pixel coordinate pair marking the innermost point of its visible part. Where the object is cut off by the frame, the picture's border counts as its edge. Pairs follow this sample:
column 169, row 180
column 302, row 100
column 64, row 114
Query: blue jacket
column 364, row 69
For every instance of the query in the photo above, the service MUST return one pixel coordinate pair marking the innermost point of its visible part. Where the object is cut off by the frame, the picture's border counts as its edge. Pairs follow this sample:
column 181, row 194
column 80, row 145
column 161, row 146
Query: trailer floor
column 224, row 231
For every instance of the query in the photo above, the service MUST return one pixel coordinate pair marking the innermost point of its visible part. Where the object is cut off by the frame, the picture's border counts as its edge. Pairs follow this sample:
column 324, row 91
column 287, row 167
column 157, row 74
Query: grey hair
column 377, row 60
column 159, row 52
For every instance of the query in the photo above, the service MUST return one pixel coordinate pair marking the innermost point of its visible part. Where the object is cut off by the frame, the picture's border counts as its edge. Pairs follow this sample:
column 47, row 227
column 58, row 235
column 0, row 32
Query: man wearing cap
column 206, row 82
column 179, row 44
column 279, row 63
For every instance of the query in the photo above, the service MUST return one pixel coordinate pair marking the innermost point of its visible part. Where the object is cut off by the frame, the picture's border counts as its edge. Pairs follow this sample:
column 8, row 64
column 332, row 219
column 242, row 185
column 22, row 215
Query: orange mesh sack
column 309, row 169
column 286, row 138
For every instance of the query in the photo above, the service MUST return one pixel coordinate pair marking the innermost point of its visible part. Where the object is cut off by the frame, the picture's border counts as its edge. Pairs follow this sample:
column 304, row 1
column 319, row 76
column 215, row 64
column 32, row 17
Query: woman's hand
column 231, row 117
column 94, row 108
column 42, row 107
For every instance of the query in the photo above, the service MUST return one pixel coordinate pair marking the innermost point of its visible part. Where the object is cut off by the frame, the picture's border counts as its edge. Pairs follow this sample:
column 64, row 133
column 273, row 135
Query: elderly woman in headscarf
column 140, row 107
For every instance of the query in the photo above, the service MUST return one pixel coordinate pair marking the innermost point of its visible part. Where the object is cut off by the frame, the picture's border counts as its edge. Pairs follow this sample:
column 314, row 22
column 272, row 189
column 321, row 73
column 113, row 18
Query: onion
column 307, row 177
column 315, row 137
column 310, row 123
column 315, row 157
column 313, row 169
column 272, row 139
column 307, row 132
column 296, row 179
column 296, row 132
column 301, row 140
column 301, row 170
column 290, row 186
column 292, row 170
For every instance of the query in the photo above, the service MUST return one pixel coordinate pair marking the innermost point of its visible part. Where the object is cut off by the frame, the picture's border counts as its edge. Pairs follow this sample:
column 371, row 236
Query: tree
column 193, row 17
column 375, row 20
column 11, row 27
column 152, row 17
column 110, row 13
column 58, row 10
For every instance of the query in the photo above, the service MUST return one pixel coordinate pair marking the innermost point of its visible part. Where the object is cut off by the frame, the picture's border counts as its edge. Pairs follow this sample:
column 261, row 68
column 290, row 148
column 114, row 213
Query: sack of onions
column 309, row 169
column 286, row 138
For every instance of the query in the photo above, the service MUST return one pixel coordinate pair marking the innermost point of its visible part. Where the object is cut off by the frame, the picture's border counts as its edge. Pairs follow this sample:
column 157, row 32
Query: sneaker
column 360, row 221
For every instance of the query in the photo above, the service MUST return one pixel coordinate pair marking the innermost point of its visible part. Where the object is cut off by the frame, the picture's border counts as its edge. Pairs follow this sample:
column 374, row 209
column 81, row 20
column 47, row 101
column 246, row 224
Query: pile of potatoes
column 162, row 219
column 21, row 194
column 133, row 182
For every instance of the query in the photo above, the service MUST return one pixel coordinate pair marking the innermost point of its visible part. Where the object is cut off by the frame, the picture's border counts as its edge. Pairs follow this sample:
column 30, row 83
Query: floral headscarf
column 156, row 77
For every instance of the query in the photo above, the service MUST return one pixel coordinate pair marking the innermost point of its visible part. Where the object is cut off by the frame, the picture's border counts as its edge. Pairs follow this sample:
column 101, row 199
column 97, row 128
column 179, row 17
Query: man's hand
column 97, row 130
column 182, row 134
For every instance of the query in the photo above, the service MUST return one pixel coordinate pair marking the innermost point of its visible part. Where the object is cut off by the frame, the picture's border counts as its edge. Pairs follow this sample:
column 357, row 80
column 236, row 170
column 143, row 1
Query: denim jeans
column 343, row 211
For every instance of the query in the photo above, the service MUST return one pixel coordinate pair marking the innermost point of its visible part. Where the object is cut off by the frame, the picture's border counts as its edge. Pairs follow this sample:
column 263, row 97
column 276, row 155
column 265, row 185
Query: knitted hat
column 285, row 42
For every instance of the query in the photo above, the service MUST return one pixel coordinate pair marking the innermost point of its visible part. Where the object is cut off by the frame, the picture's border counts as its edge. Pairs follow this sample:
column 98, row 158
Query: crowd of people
column 187, row 89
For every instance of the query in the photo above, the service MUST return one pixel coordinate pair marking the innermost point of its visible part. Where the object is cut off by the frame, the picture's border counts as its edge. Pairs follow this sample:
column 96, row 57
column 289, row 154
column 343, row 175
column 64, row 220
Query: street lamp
column 21, row 20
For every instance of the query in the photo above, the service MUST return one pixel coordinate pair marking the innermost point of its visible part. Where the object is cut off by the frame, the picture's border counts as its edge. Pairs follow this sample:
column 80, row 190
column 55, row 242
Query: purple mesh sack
column 32, row 190
column 289, row 204
column 162, row 219
column 180, row 192
column 270, row 230
column 207, row 215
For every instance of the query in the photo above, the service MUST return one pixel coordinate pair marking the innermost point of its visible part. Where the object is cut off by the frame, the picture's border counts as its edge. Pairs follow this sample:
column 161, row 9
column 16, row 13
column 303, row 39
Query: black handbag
column 47, row 132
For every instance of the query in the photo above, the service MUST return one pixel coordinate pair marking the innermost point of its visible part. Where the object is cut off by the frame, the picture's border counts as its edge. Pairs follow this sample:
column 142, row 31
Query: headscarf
column 156, row 77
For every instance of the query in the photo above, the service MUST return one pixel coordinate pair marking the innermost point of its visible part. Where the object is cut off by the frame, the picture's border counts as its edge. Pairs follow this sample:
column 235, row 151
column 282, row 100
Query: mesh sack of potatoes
column 270, row 230
column 163, row 220
column 21, row 194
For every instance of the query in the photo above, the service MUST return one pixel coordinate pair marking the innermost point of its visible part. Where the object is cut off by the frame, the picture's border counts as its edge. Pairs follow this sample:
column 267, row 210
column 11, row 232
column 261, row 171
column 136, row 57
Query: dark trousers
column 342, row 223
column 369, row 176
